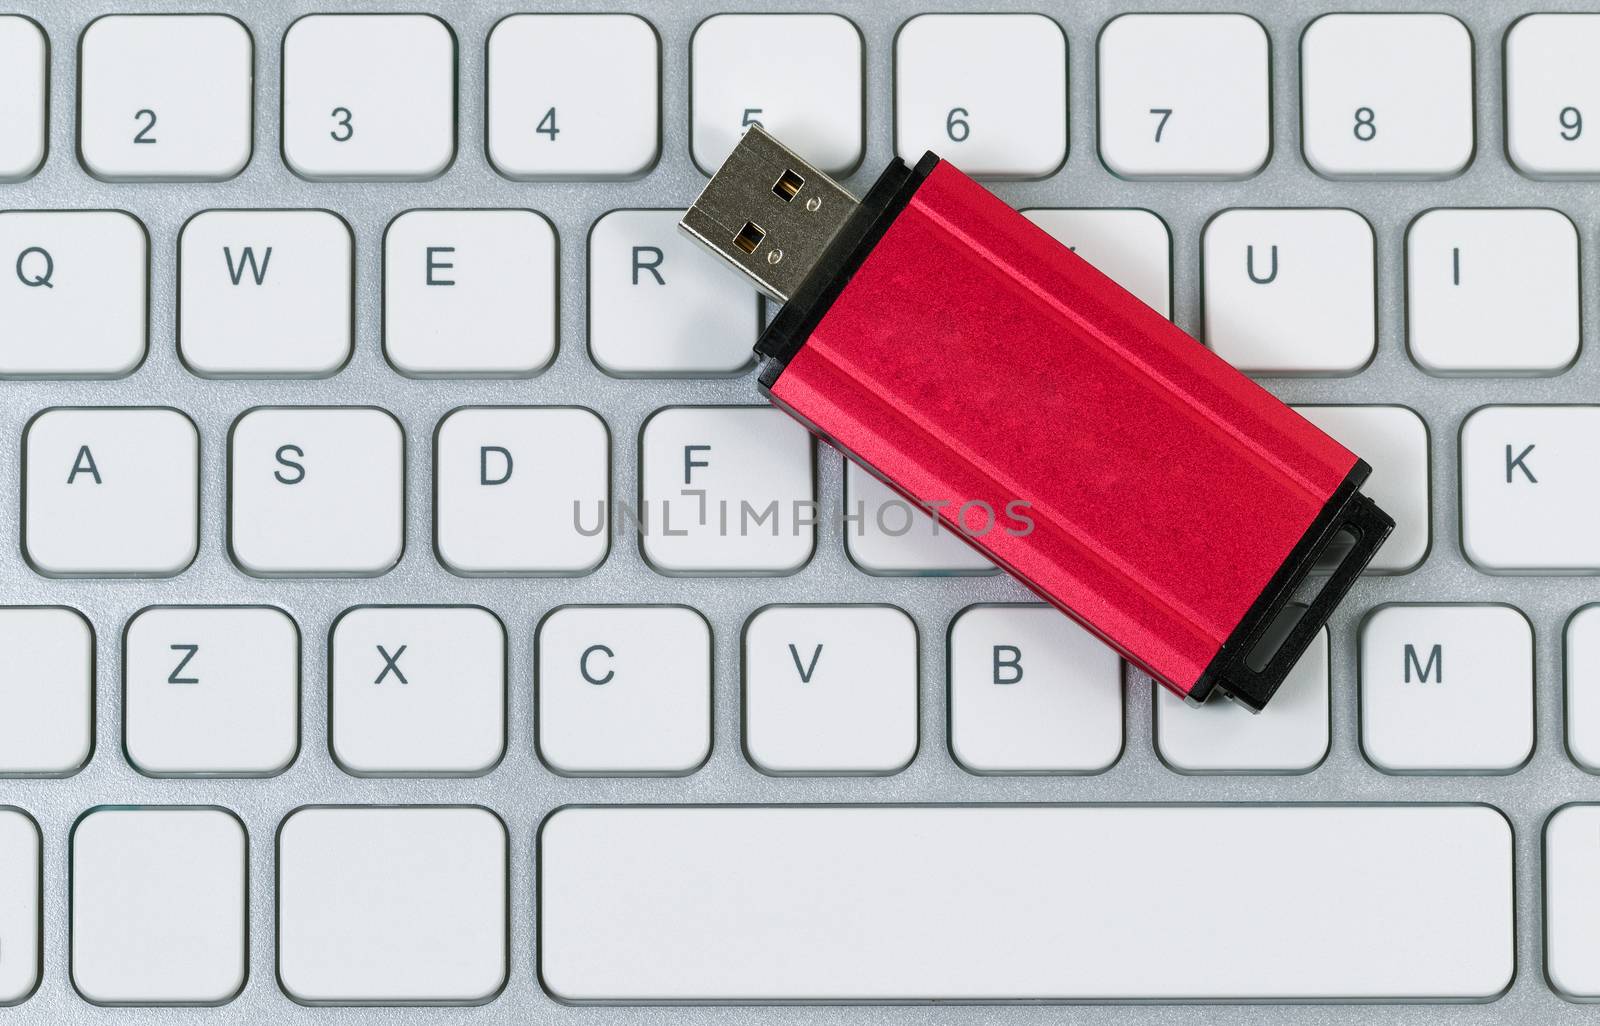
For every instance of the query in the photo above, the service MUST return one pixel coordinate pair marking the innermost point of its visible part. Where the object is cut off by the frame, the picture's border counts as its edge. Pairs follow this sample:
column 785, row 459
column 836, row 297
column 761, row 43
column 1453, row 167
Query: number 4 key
column 574, row 96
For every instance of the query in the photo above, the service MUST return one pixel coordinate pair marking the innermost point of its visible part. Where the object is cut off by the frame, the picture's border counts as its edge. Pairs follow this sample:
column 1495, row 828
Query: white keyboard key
column 1032, row 692
column 265, row 293
column 796, row 75
column 1289, row 736
column 1550, row 87
column 165, row 96
column 21, row 928
column 111, row 492
column 886, row 534
column 657, row 306
column 988, row 91
column 1492, row 291
column 418, row 689
column 469, row 292
column 574, row 96
column 726, row 490
column 1394, row 442
column 1583, row 687
column 211, row 690
column 1290, row 291
column 1386, row 94
column 522, row 490
column 624, row 690
column 1447, row 689
column 46, row 695
column 24, row 66
column 424, row 920
column 316, row 490
column 1571, row 889
column 1184, row 96
column 830, row 689
column 1131, row 247
column 158, row 905
column 983, row 903
column 1530, row 481
column 74, row 302
column 369, row 96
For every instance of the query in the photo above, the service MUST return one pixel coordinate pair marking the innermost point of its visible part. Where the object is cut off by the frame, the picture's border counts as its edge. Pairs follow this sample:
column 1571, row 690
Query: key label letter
column 44, row 268
column 248, row 259
column 439, row 265
column 805, row 671
column 652, row 267
column 1434, row 665
column 391, row 664
column 483, row 465
column 283, row 457
column 1515, row 463
column 84, row 464
column 1007, row 664
column 583, row 664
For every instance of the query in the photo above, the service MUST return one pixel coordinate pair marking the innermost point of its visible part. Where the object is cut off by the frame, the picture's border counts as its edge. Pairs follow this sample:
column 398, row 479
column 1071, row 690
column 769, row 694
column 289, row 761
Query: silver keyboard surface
column 521, row 789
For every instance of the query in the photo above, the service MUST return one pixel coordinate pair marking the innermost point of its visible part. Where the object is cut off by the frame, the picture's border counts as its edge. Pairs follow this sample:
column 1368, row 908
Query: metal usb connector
column 769, row 213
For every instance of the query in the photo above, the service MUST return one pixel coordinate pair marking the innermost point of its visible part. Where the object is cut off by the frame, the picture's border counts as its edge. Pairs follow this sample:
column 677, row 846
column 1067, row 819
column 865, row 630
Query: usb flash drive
column 973, row 363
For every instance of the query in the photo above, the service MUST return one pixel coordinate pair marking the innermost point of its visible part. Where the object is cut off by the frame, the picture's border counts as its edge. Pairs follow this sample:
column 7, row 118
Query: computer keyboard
column 410, row 602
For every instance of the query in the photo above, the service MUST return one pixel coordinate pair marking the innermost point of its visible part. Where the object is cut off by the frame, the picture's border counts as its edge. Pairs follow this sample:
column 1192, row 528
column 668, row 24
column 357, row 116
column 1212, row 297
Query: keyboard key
column 369, row 96
column 1131, row 247
column 425, row 922
column 165, row 96
column 726, row 490
column 111, row 492
column 574, row 96
column 1032, row 692
column 1289, row 736
column 1184, row 96
column 1549, row 88
column 1583, row 687
column 1386, row 94
column 657, row 306
column 1492, row 291
column 75, row 303
column 1394, row 442
column 624, row 690
column 796, row 75
column 211, row 690
column 316, row 490
column 830, row 689
column 989, row 91
column 1571, row 888
column 24, row 66
column 418, row 689
column 1530, row 479
column 21, row 929
column 158, row 905
column 46, row 696
column 1447, row 689
column 1290, row 291
column 1408, row 901
column 522, row 490
column 469, row 292
column 886, row 534
column 265, row 293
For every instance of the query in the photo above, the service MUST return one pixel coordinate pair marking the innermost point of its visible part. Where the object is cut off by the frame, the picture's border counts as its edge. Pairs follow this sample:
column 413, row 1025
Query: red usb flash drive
column 969, row 360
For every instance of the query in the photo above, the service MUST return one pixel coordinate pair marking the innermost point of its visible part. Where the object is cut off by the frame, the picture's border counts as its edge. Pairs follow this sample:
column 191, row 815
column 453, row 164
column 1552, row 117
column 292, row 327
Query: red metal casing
column 972, row 361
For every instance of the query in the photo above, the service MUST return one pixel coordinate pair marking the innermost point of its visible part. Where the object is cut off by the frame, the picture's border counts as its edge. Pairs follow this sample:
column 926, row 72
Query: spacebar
column 1039, row 902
